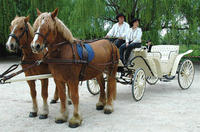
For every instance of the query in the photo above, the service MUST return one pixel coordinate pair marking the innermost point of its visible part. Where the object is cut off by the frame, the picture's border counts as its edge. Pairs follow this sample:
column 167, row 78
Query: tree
column 87, row 18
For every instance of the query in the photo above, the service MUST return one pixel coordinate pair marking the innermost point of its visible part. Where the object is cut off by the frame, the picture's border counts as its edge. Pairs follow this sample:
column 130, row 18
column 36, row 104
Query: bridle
column 17, row 39
column 45, row 42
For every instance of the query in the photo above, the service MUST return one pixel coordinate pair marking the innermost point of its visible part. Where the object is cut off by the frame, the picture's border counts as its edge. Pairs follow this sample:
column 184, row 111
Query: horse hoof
column 99, row 107
column 53, row 101
column 43, row 116
column 107, row 111
column 69, row 102
column 75, row 125
column 33, row 114
column 60, row 121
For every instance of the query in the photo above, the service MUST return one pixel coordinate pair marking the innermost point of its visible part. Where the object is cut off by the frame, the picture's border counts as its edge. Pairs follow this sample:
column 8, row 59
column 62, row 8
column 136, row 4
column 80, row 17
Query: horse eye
column 21, row 28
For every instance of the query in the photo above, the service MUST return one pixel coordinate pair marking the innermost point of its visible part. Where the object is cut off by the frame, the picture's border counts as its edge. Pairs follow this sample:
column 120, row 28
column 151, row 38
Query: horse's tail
column 115, row 67
column 115, row 92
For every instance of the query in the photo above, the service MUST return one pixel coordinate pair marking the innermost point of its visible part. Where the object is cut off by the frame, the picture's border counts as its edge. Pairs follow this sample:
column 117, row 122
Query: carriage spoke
column 138, row 84
column 186, row 74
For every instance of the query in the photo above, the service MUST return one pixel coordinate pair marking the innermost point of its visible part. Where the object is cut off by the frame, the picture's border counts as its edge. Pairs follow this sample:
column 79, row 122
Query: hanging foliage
column 87, row 19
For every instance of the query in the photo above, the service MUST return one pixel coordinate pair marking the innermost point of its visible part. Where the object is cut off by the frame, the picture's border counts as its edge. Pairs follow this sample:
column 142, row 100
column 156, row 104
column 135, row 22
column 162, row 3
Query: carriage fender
column 177, row 60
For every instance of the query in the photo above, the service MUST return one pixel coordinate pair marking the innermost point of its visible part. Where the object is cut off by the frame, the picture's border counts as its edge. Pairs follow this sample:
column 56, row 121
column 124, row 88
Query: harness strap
column 74, row 57
column 85, row 58
column 60, row 61
column 27, row 62
column 43, row 36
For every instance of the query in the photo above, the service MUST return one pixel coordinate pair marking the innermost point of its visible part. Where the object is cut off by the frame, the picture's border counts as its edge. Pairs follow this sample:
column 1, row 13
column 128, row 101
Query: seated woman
column 133, row 40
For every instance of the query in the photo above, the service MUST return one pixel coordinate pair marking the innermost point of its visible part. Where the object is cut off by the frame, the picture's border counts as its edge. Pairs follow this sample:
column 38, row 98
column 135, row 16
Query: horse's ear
column 54, row 13
column 16, row 16
column 27, row 19
column 38, row 11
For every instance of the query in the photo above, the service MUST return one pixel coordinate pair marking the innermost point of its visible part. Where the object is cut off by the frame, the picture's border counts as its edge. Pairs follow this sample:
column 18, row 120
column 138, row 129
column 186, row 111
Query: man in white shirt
column 133, row 40
column 118, row 31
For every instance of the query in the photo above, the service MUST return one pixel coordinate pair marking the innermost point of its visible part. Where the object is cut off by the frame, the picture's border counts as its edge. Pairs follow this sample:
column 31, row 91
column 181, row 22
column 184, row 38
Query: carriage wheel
column 151, row 80
column 138, row 84
column 93, row 86
column 186, row 74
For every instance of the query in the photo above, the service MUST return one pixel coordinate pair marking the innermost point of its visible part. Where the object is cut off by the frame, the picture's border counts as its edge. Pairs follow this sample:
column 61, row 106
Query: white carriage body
column 162, row 60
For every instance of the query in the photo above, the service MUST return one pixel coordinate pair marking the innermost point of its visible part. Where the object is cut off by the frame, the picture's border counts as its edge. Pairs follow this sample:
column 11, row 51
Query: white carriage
column 162, row 63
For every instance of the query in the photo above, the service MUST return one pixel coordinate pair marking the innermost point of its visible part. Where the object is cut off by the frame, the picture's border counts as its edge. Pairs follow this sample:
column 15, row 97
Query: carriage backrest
column 166, row 51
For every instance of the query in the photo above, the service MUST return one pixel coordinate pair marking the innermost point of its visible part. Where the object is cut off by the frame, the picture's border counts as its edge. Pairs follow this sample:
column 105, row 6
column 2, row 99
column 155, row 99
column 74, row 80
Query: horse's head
column 45, row 30
column 19, row 33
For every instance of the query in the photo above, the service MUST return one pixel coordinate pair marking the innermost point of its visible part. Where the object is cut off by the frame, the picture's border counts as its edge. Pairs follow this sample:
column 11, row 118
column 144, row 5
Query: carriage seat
column 162, row 57
column 165, row 52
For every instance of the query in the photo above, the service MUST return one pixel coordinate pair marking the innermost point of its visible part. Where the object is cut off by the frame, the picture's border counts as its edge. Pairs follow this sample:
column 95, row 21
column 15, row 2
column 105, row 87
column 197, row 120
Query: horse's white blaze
column 36, row 36
column 10, row 38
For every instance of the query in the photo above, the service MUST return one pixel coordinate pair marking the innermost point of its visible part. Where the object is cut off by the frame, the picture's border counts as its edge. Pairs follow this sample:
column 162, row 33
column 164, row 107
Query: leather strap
column 85, row 58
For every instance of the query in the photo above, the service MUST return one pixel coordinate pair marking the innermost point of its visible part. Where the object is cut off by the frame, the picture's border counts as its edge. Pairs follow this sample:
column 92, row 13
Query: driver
column 118, row 31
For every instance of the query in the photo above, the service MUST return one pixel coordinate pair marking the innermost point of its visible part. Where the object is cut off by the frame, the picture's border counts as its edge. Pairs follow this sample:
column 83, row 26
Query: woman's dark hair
column 133, row 21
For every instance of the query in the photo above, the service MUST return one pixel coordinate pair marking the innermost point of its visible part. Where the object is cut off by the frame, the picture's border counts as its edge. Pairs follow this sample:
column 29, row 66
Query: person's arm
column 111, row 32
column 127, row 37
column 138, row 37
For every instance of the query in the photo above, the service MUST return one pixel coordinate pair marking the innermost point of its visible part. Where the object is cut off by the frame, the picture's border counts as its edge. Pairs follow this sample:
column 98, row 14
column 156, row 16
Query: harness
column 83, row 61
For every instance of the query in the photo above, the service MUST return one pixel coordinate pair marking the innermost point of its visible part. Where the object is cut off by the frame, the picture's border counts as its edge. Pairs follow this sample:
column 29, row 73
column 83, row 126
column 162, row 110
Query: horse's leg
column 102, row 97
column 34, row 111
column 76, row 119
column 55, row 98
column 45, row 109
column 63, row 115
column 69, row 95
column 111, row 91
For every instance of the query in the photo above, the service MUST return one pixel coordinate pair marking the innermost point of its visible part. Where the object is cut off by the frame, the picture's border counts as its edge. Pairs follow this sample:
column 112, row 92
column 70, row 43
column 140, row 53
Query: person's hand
column 126, row 44
column 148, row 43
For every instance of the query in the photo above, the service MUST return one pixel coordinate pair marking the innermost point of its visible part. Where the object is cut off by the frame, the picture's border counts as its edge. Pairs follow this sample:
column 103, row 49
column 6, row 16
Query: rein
column 10, row 69
column 13, row 67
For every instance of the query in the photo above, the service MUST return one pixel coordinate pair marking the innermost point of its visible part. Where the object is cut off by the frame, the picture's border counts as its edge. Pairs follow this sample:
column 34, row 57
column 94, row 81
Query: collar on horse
column 17, row 39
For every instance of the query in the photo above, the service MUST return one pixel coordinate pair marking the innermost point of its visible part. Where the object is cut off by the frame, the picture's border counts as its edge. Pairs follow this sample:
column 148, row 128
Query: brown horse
column 20, row 38
column 49, row 32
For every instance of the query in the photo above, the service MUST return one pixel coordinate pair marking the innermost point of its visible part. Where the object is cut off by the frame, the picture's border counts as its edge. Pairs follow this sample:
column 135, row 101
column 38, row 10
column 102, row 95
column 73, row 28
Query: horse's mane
column 64, row 30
